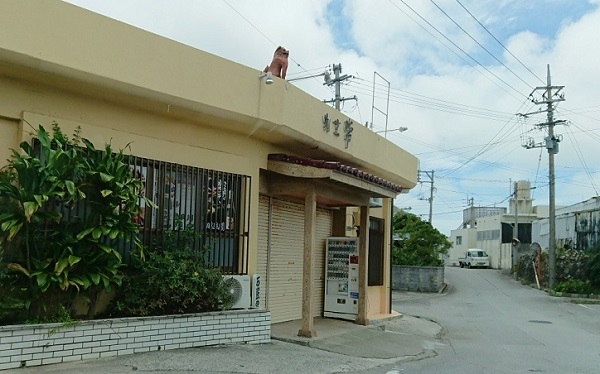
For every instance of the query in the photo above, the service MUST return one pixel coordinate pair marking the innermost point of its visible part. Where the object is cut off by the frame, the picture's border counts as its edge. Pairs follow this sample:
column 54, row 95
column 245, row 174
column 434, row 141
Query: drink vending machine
column 341, row 278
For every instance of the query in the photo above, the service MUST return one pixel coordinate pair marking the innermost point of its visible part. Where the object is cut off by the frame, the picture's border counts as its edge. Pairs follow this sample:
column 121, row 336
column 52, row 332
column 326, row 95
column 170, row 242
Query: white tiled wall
column 34, row 345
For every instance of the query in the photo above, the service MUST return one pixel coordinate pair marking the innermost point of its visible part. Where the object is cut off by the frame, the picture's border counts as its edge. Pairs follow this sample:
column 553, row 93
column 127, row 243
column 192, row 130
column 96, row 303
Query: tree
column 419, row 243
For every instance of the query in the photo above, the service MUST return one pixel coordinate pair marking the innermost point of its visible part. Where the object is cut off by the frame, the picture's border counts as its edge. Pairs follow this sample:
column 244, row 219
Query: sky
column 455, row 73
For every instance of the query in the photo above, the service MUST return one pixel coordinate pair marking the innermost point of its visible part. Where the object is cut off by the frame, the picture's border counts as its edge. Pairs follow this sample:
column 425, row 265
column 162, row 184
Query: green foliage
column 526, row 268
column 594, row 267
column 574, row 268
column 577, row 286
column 58, row 314
column 571, row 264
column 63, row 209
column 420, row 243
column 173, row 279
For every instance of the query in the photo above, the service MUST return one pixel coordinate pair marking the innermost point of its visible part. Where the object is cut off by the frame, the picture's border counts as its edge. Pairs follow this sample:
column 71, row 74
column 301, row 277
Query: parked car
column 474, row 257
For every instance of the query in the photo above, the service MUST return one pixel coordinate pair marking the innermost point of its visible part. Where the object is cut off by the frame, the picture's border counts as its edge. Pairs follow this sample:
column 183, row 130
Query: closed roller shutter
column 284, row 278
column 287, row 247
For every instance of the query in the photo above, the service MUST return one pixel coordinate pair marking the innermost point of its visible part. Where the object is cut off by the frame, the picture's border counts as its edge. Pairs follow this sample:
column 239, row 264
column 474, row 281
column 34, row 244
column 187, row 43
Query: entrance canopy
column 345, row 185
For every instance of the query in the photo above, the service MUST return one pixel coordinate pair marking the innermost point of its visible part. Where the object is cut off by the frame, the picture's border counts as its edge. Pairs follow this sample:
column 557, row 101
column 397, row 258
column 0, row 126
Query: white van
column 474, row 257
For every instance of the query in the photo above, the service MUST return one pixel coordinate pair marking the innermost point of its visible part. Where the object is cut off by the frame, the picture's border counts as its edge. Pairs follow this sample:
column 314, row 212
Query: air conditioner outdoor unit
column 239, row 287
column 256, row 291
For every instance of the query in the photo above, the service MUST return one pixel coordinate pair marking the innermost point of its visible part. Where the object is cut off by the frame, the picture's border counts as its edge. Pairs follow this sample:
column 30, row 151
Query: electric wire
column 260, row 32
column 361, row 89
column 499, row 42
column 485, row 148
column 362, row 86
column 479, row 44
column 291, row 75
column 452, row 50
column 577, row 149
column 592, row 133
column 463, row 51
column 402, row 93
column 537, row 170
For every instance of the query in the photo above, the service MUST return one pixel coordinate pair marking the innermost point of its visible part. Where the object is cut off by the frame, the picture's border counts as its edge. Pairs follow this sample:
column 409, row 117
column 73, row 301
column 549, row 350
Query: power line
column 460, row 49
column 260, row 32
column 499, row 42
column 484, row 148
column 581, row 159
column 436, row 104
column 479, row 44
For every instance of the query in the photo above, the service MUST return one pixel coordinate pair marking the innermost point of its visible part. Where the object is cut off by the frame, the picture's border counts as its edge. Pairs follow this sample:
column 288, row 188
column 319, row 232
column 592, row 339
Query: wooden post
column 310, row 218
column 363, row 266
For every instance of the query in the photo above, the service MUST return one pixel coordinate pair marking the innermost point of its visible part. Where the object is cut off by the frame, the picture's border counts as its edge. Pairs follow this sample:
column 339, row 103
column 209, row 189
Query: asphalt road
column 494, row 324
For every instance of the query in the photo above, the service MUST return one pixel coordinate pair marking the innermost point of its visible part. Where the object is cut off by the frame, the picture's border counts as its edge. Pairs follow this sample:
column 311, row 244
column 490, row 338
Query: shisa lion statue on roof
column 278, row 67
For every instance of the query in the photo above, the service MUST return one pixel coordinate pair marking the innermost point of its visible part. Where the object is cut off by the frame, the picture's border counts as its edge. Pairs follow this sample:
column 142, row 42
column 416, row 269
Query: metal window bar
column 215, row 203
column 185, row 194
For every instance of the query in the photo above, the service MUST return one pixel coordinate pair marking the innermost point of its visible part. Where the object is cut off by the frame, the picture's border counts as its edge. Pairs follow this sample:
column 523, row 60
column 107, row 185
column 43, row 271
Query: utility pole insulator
column 336, row 81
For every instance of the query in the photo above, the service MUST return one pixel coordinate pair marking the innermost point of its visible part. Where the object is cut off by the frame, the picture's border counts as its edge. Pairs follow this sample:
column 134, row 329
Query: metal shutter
column 286, row 258
column 287, row 246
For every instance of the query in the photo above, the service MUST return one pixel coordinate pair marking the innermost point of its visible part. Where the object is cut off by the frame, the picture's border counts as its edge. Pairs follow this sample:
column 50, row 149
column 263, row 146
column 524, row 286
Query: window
column 376, row 231
column 458, row 240
column 215, row 204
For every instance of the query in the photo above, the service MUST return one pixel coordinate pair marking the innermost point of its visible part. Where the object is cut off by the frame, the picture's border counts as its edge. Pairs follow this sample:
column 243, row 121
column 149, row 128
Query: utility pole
column 550, row 95
column 429, row 174
column 516, row 244
column 471, row 204
column 336, row 81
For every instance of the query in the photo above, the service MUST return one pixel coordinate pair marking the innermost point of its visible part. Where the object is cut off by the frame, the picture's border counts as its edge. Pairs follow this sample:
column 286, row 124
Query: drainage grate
column 538, row 321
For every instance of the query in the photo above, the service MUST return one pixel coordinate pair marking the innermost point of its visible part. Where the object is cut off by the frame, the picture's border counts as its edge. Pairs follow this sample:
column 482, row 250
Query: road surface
column 493, row 324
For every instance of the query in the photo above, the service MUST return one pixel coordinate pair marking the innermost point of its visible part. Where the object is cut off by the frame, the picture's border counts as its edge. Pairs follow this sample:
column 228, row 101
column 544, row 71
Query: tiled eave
column 304, row 167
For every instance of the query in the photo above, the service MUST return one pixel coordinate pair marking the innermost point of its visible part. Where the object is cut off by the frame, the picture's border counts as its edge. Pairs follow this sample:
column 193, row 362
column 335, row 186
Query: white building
column 494, row 233
column 577, row 226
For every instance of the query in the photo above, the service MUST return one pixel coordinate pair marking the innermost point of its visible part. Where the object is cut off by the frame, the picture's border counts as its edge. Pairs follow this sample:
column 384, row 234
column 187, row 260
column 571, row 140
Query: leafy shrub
column 64, row 207
column 593, row 267
column 571, row 264
column 528, row 266
column 173, row 279
column 577, row 286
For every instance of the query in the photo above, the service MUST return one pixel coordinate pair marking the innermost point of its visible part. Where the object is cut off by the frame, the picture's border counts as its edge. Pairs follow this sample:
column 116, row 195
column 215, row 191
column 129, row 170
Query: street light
column 399, row 129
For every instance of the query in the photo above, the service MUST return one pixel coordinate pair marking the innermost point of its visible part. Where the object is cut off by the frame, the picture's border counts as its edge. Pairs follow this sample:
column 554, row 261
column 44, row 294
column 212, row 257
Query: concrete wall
column 35, row 345
column 417, row 278
column 468, row 240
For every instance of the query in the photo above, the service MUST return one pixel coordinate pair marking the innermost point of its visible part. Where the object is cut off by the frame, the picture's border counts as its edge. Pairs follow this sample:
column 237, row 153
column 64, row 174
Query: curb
column 575, row 295
column 589, row 298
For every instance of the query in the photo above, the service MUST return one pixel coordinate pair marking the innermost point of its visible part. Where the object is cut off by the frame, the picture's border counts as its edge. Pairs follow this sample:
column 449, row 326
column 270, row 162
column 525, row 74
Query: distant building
column 492, row 229
column 577, row 226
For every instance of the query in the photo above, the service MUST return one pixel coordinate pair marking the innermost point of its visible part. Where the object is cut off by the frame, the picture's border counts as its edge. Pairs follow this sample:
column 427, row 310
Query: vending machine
column 341, row 278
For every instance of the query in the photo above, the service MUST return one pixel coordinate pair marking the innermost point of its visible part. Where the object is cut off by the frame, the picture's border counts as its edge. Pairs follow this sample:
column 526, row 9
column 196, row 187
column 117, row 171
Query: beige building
column 265, row 171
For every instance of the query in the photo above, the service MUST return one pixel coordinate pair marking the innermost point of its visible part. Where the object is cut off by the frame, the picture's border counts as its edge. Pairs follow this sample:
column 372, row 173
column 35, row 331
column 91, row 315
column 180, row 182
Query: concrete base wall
column 417, row 278
column 34, row 345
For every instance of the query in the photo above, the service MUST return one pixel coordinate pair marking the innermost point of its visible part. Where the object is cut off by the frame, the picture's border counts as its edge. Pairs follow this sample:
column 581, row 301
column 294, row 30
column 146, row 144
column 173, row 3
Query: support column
column 310, row 218
column 363, row 266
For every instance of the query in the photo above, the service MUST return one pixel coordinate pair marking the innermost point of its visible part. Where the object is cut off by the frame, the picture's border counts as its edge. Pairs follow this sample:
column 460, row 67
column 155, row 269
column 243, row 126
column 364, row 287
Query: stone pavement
column 340, row 346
